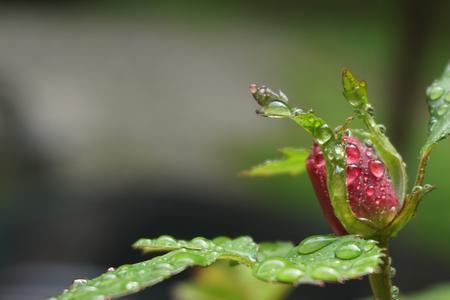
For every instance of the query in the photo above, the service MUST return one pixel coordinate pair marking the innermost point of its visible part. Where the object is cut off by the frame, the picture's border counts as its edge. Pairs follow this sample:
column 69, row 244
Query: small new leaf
column 292, row 164
column 438, row 99
column 317, row 259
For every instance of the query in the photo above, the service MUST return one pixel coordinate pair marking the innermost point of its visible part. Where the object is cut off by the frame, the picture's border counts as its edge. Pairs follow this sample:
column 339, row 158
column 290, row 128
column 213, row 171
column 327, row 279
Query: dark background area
column 128, row 119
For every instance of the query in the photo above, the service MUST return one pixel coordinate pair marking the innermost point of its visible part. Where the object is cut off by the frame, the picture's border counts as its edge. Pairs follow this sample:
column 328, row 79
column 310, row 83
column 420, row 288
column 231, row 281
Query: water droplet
column 339, row 151
column 297, row 111
column 442, row 109
column 166, row 241
column 183, row 259
column 164, row 266
column 200, row 242
column 447, row 97
column 435, row 91
column 382, row 128
column 417, row 189
column 348, row 251
column 289, row 274
column 269, row 268
column 376, row 167
column 110, row 269
column 78, row 282
column 395, row 291
column 324, row 134
column 352, row 152
column 370, row 191
column 276, row 109
column 315, row 243
column 353, row 172
column 392, row 272
column 326, row 273
column 370, row 110
column 368, row 143
column 369, row 245
column 132, row 286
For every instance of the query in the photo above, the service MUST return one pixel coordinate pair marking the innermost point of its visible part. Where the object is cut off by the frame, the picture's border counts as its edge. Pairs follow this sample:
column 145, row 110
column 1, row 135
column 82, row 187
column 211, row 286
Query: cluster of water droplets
column 438, row 102
column 369, row 187
column 322, row 258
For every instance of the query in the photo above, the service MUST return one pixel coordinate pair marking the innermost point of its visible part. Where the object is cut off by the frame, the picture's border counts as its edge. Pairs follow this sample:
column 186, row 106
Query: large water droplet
column 376, row 167
column 353, row 171
column 352, row 152
column 442, row 110
column 200, row 242
column 326, row 273
column 276, row 109
column 324, row 134
column 315, row 243
column 289, row 274
column 269, row 268
column 435, row 91
column 166, row 241
column 348, row 251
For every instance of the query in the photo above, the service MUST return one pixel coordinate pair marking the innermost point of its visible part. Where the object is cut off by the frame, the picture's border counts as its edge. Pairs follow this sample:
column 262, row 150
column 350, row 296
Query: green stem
column 381, row 282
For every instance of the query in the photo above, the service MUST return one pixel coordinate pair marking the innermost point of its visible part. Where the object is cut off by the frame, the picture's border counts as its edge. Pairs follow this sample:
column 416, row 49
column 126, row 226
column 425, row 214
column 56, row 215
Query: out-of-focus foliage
column 222, row 282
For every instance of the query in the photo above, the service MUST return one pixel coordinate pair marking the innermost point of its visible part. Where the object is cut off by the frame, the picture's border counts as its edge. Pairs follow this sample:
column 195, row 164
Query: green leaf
column 315, row 260
column 355, row 91
column 292, row 164
column 318, row 259
column 438, row 99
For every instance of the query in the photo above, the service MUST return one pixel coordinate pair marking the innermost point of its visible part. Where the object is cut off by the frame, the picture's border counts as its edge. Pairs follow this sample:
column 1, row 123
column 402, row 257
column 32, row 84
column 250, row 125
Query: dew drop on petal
column 376, row 167
column 352, row 152
column 353, row 171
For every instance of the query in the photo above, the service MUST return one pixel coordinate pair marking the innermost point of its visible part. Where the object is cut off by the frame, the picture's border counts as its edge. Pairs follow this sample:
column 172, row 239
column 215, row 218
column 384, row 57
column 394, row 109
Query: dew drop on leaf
column 269, row 268
column 324, row 134
column 277, row 109
column 132, row 286
column 447, row 97
column 326, row 273
column 315, row 243
column 348, row 251
column 289, row 274
column 442, row 109
column 435, row 92
column 166, row 240
column 382, row 128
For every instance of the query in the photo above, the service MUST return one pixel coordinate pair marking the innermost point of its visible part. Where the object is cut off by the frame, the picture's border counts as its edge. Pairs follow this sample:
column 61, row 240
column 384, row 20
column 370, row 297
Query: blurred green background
column 122, row 119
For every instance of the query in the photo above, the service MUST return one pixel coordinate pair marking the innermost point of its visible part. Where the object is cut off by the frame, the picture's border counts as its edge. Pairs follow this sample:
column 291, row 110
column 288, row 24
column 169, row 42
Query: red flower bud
column 370, row 191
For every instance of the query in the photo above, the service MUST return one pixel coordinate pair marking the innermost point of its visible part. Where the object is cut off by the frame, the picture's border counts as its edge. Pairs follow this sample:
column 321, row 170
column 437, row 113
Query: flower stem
column 381, row 282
